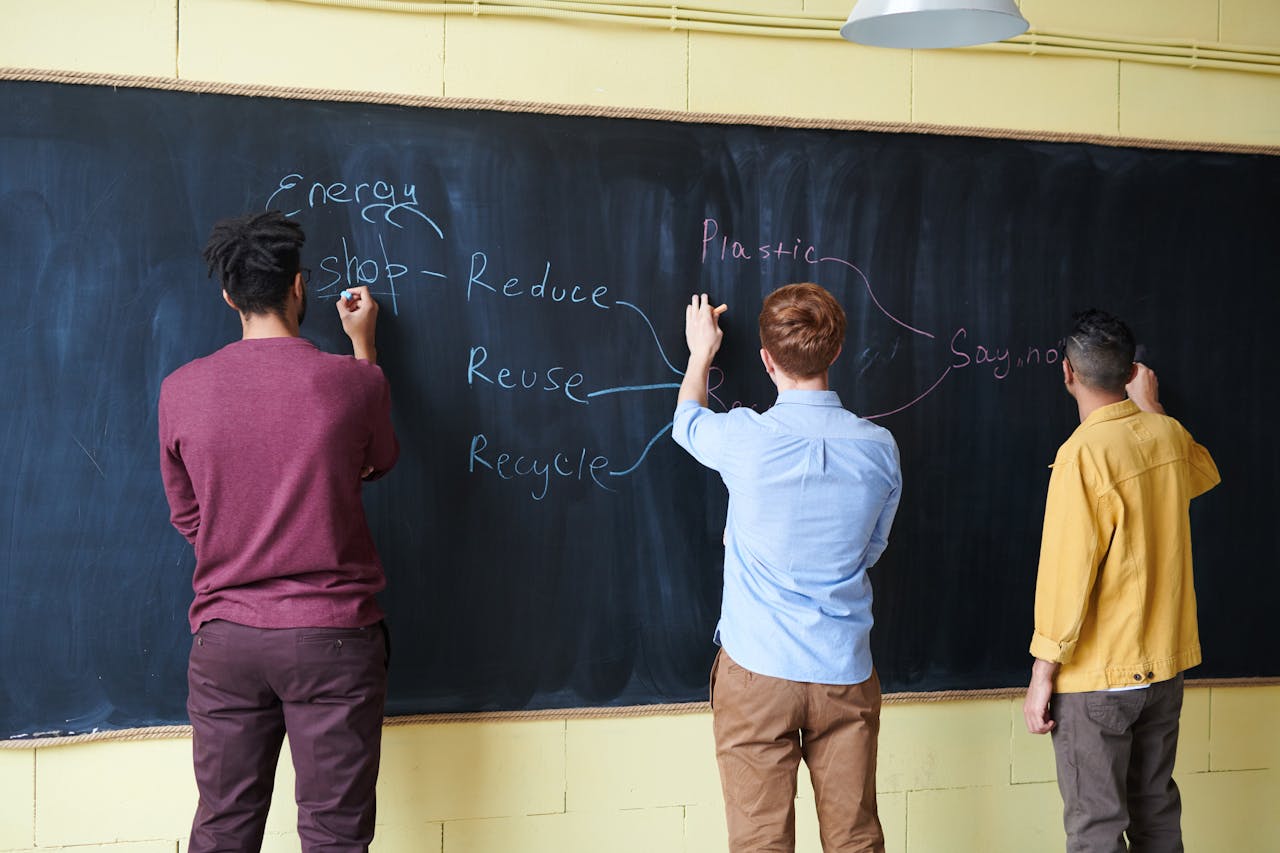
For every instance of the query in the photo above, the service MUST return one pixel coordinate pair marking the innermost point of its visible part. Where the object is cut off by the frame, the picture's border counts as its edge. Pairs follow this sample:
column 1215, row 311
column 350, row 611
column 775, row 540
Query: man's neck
column 1089, row 401
column 256, row 326
column 809, row 383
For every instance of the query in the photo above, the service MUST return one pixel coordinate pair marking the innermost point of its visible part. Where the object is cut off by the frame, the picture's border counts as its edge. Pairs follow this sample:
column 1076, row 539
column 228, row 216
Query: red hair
column 802, row 326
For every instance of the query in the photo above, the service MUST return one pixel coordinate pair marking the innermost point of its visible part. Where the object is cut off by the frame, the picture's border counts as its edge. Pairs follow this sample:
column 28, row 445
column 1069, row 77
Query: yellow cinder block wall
column 955, row 777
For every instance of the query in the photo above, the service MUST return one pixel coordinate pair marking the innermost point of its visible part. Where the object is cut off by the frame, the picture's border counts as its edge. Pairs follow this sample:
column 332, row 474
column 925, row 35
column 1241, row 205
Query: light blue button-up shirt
column 813, row 490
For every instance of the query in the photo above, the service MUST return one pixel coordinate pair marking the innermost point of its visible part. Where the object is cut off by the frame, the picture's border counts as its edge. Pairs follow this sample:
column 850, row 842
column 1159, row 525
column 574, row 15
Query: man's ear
column 839, row 350
column 226, row 297
column 298, row 285
column 1132, row 373
column 1068, row 375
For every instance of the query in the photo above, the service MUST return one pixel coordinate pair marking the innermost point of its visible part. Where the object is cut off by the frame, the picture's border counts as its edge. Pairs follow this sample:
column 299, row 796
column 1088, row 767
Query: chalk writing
column 552, row 379
column 512, row 466
column 382, row 198
column 351, row 270
column 721, row 247
column 485, row 290
column 794, row 249
column 397, row 204
column 1001, row 358
column 593, row 297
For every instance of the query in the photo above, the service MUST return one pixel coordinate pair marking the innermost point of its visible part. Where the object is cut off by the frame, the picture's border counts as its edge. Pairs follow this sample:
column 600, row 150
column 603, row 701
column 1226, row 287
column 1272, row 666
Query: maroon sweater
column 261, row 448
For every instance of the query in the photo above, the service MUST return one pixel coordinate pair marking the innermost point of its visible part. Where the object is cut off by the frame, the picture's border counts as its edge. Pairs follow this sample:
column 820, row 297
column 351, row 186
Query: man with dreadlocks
column 1115, row 609
column 263, row 448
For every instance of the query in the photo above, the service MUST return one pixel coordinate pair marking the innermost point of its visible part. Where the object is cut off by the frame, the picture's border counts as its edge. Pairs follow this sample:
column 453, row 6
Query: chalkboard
column 532, row 271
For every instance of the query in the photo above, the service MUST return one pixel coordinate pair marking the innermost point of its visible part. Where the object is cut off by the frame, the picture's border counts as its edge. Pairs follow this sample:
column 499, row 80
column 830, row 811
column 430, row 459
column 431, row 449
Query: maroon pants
column 247, row 686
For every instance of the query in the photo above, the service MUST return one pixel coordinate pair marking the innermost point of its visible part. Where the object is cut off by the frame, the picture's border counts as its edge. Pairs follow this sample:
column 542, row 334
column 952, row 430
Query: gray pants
column 1115, row 754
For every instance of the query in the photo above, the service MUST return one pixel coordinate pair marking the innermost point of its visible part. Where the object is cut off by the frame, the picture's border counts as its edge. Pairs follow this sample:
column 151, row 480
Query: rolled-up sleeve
column 701, row 432
column 1204, row 471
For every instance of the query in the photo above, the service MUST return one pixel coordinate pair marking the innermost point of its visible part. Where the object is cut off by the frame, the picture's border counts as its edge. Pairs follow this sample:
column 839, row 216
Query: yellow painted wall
column 954, row 777
column 957, row 777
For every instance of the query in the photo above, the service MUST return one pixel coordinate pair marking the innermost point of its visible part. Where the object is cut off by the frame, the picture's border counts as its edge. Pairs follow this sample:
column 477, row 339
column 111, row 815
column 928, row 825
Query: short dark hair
column 1101, row 349
column 802, row 326
column 256, row 257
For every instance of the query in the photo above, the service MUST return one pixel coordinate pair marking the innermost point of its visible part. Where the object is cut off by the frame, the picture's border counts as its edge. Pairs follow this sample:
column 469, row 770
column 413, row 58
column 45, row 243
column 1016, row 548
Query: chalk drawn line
column 653, row 332
column 621, row 388
column 872, row 294
column 645, row 453
column 913, row 402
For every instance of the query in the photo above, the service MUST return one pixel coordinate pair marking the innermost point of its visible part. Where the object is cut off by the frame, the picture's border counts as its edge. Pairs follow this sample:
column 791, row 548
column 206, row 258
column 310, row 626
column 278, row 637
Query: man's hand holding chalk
column 359, row 314
column 703, row 334
column 1144, row 389
column 702, row 326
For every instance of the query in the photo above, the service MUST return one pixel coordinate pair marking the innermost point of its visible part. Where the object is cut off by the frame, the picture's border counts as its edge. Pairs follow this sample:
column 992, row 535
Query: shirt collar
column 810, row 398
column 277, row 340
column 1111, row 412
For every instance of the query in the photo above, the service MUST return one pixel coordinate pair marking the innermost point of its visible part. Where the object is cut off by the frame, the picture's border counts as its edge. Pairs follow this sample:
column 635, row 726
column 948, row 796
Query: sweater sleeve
column 184, row 509
column 384, row 449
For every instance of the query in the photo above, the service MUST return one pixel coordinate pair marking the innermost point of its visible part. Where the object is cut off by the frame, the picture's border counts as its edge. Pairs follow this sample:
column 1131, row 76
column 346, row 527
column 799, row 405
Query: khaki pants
column 764, row 726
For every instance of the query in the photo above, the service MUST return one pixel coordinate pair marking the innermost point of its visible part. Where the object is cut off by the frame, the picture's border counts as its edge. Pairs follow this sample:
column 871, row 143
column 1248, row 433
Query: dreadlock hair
column 1101, row 349
column 256, row 257
column 802, row 326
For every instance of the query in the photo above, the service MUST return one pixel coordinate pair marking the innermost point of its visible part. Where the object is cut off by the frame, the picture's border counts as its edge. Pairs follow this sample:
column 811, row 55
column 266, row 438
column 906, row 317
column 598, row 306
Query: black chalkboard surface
column 547, row 544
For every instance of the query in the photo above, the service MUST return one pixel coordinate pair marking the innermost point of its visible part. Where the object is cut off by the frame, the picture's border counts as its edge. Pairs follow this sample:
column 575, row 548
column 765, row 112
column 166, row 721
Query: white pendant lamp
column 932, row 23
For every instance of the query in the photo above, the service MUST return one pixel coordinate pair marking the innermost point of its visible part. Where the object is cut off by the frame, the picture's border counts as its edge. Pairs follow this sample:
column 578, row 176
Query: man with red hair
column 813, row 490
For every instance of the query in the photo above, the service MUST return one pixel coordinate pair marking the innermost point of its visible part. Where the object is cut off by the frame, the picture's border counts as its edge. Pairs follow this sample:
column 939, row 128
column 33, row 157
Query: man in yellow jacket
column 1115, row 611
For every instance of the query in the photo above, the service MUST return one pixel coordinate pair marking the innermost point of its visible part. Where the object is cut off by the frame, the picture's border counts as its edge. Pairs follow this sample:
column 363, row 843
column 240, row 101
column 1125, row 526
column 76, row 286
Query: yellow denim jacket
column 1115, row 601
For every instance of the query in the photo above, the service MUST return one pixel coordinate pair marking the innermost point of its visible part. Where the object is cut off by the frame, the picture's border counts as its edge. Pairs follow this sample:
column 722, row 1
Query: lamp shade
column 932, row 23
